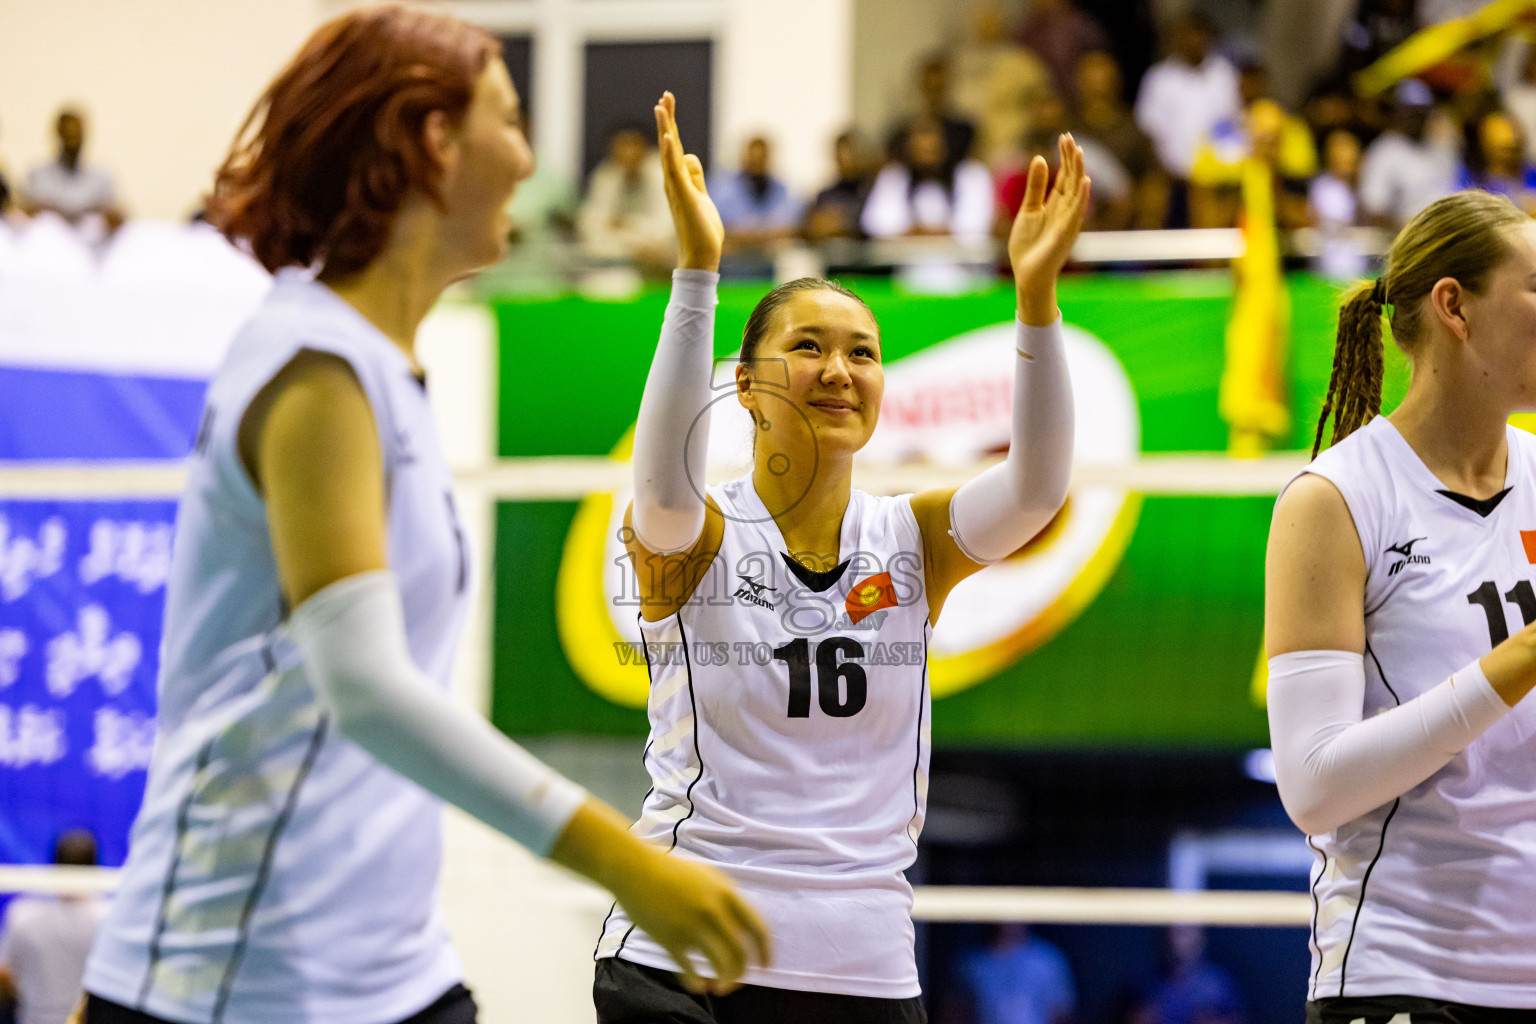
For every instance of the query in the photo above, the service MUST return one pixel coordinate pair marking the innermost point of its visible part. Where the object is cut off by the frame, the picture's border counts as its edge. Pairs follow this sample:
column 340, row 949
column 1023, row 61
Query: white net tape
column 571, row 479
column 936, row 903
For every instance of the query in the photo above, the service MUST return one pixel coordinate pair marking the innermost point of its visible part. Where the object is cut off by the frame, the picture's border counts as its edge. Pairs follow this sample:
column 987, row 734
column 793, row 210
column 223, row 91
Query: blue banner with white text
column 82, row 592
column 105, row 355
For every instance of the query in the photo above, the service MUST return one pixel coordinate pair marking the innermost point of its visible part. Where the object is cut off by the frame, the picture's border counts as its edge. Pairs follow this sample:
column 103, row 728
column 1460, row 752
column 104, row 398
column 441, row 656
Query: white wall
column 166, row 84
column 783, row 69
column 786, row 71
column 893, row 38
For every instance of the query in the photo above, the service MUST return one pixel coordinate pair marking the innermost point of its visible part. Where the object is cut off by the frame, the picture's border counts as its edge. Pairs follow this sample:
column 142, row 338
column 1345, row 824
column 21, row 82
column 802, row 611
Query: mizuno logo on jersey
column 406, row 451
column 869, row 596
column 1406, row 556
column 752, row 592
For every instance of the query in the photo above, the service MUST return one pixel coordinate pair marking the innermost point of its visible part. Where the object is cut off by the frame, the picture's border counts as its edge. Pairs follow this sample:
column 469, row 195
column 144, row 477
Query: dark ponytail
column 1461, row 237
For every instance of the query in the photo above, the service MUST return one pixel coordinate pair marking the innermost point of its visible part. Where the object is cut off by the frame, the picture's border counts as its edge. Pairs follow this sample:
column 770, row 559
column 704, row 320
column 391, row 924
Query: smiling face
column 828, row 346
column 1501, row 322
column 488, row 156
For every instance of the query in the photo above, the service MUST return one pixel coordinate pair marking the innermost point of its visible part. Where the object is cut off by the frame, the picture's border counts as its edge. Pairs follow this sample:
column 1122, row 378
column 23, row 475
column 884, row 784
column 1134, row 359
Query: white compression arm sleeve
column 668, row 461
column 1332, row 765
column 352, row 637
column 997, row 512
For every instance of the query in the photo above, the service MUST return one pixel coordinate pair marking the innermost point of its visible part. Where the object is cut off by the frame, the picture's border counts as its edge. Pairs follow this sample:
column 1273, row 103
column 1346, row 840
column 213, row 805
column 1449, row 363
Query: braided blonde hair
column 1460, row 236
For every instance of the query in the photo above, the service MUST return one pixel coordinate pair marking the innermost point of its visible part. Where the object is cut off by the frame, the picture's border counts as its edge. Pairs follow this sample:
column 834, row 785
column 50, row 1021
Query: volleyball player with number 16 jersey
column 786, row 618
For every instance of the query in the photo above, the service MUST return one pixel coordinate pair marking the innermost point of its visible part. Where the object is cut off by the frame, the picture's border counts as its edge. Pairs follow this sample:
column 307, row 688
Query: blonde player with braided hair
column 1399, row 609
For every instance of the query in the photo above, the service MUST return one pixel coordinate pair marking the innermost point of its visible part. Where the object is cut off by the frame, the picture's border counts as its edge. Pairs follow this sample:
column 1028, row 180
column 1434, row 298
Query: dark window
column 623, row 81
column 517, row 51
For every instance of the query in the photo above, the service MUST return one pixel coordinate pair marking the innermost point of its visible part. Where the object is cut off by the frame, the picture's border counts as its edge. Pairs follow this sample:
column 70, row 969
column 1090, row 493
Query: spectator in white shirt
column 928, row 193
column 46, row 941
column 69, row 187
column 1515, row 76
column 624, row 216
column 1185, row 95
column 7, row 199
column 1403, row 171
column 1334, row 209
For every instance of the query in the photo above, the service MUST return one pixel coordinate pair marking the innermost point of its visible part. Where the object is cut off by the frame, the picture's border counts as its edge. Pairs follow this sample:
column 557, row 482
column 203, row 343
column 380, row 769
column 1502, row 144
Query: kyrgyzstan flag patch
column 1528, row 538
column 869, row 596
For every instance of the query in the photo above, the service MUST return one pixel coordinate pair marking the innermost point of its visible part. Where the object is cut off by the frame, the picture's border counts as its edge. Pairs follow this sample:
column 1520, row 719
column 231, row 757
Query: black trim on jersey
column 816, row 582
column 644, row 754
column 267, row 661
column 264, row 871
column 645, row 648
column 917, row 762
column 604, row 931
column 1316, row 910
column 460, row 545
column 1381, row 844
column 1482, row 506
column 182, row 814
column 688, row 793
column 694, row 708
column 1383, row 675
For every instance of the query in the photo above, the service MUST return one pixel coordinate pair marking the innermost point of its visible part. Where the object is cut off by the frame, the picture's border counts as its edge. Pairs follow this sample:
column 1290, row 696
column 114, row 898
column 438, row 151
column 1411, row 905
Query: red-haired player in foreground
column 284, row 867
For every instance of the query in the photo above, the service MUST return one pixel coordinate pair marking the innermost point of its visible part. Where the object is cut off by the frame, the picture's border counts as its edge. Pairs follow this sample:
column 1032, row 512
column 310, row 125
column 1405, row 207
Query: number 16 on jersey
column 841, row 685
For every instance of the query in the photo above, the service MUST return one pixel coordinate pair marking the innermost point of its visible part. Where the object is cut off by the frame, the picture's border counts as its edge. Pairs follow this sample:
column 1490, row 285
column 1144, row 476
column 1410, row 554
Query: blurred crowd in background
column 1191, row 141
column 68, row 186
column 1166, row 148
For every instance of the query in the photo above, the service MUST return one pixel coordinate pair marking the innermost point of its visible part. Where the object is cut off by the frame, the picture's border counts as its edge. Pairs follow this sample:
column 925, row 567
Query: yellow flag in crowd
column 1430, row 46
column 1253, row 399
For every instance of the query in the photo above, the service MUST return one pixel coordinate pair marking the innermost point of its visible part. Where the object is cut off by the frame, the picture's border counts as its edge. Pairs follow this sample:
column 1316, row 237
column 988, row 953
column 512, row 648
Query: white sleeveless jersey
column 1434, row 894
column 276, row 872
column 789, row 744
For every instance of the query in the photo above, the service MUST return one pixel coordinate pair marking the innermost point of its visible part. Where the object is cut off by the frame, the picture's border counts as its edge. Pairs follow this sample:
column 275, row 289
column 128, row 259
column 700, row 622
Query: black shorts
column 456, row 1006
column 1381, row 1009
column 626, row 993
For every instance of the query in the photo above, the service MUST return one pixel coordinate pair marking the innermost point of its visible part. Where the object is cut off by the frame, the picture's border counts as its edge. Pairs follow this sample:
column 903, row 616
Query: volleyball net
column 574, row 479
column 1151, row 582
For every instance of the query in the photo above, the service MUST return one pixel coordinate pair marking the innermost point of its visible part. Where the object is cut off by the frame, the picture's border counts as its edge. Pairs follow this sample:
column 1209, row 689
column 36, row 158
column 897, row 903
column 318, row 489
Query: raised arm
column 312, row 445
column 1000, row 510
column 1332, row 764
column 672, row 430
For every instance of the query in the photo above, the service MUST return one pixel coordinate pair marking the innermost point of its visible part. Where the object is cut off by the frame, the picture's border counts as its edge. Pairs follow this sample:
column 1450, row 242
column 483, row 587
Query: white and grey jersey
column 1432, row 894
column 276, row 872
column 789, row 743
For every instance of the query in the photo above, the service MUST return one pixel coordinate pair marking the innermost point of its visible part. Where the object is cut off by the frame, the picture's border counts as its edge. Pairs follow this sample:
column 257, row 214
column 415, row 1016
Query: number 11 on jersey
column 1521, row 595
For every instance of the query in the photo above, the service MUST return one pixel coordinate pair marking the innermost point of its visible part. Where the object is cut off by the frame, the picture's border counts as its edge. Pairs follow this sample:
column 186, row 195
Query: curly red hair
column 334, row 145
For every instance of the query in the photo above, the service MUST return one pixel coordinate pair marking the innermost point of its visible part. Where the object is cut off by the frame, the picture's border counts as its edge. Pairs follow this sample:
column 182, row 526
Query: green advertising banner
column 1137, row 624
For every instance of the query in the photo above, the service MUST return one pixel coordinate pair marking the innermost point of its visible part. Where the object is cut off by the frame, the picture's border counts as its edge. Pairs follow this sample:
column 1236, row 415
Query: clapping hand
column 1044, row 230
column 700, row 235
